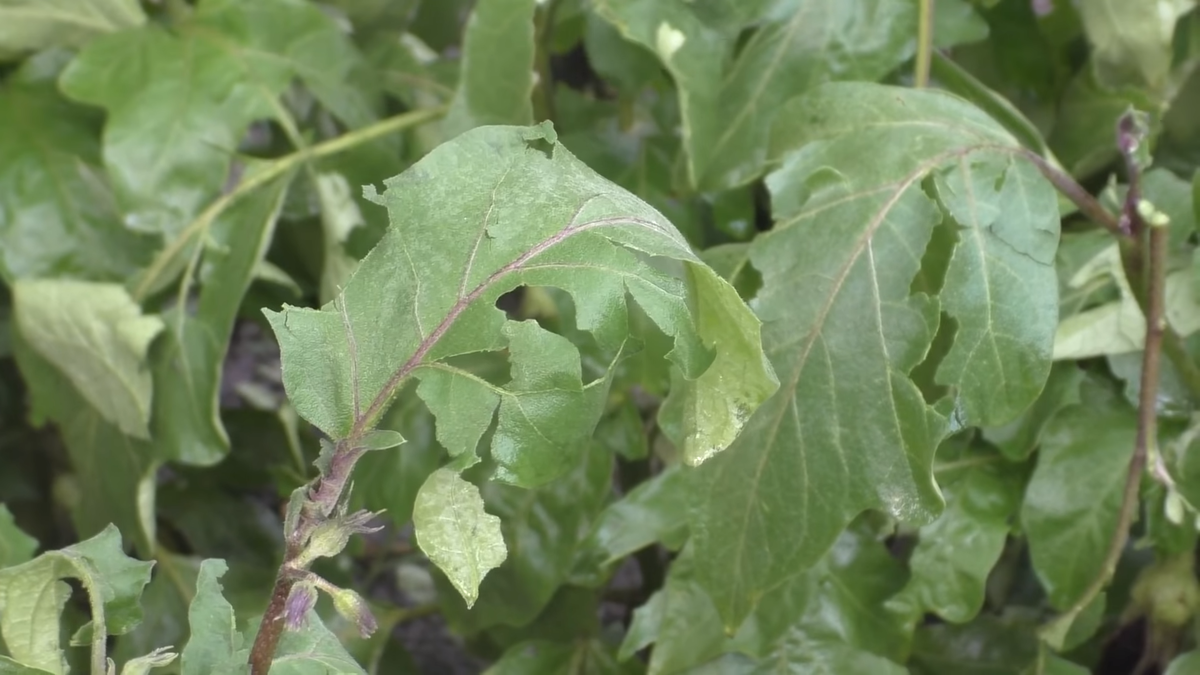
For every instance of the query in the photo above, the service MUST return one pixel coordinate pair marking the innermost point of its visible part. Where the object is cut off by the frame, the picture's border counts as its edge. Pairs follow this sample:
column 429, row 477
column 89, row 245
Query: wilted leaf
column 849, row 430
column 32, row 596
column 729, row 102
column 496, row 80
column 96, row 336
column 32, row 25
column 493, row 209
column 1071, row 504
column 15, row 546
column 456, row 533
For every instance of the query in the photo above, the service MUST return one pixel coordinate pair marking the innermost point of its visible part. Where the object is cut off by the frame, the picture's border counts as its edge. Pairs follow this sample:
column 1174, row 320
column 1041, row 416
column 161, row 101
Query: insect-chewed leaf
column 854, row 203
column 496, row 208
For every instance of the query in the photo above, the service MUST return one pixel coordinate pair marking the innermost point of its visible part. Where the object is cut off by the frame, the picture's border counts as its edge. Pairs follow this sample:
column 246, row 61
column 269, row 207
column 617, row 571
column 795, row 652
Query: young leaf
column 729, row 102
column 843, row 330
column 142, row 665
column 97, row 337
column 15, row 546
column 215, row 643
column 496, row 81
column 456, row 533
column 33, row 25
column 1071, row 504
column 65, row 224
column 546, row 525
column 32, row 596
column 493, row 209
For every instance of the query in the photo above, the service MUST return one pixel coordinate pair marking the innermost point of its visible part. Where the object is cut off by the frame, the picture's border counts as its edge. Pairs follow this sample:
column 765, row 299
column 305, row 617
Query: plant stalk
column 150, row 280
column 924, row 44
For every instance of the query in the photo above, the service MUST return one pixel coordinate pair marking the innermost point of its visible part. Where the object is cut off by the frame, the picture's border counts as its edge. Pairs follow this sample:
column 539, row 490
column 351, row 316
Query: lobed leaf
column 730, row 93
column 849, row 430
column 215, row 645
column 493, row 209
column 32, row 596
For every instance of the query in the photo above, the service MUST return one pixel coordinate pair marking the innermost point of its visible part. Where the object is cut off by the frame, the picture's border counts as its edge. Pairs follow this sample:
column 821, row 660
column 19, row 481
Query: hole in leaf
column 925, row 373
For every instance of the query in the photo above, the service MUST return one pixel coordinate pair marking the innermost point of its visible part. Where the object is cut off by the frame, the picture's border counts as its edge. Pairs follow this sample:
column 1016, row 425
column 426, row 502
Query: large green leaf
column 179, row 102
column 59, row 218
column 729, row 101
column 188, row 363
column 493, row 209
column 1071, row 504
column 15, row 546
column 654, row 511
column 496, row 81
column 31, row 25
column 32, row 596
column 1018, row 439
column 849, row 429
column 114, row 474
column 97, row 337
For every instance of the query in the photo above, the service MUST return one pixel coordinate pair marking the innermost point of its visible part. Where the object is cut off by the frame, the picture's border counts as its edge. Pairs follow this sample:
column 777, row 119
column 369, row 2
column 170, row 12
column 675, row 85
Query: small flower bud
column 353, row 608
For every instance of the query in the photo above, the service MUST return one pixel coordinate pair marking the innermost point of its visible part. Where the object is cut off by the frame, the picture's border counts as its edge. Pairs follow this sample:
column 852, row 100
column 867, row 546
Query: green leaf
column 456, row 533
column 542, row 657
column 313, row 650
column 496, row 81
column 96, row 335
column 114, row 474
column 842, row 328
column 956, row 553
column 728, row 101
column 544, row 528
column 32, row 25
column 16, row 547
column 1131, row 44
column 1184, row 664
column 65, row 224
column 10, row 667
column 215, row 643
column 188, row 364
column 1071, row 504
column 165, row 604
column 461, row 237
column 1084, row 138
column 985, row 646
column 340, row 215
column 169, row 137
column 1018, row 439
column 654, row 511
column 32, row 596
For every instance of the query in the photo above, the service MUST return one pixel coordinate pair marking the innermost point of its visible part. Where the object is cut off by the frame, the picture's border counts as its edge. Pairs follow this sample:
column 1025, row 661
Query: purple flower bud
column 301, row 600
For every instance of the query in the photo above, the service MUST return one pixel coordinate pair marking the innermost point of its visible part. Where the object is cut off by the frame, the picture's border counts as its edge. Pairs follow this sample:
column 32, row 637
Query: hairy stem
column 1144, row 257
column 272, row 626
column 924, row 44
column 164, row 262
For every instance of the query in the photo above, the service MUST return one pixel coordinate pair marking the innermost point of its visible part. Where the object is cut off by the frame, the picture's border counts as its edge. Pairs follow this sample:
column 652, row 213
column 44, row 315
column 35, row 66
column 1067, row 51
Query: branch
column 924, row 44
column 1144, row 253
column 162, row 264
